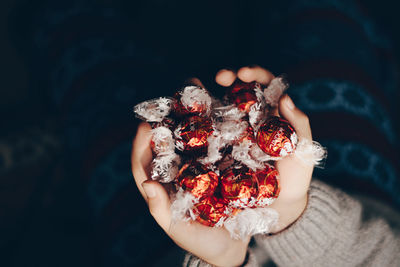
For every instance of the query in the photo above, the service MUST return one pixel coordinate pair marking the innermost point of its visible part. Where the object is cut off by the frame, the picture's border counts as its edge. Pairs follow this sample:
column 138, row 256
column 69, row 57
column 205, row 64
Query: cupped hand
column 295, row 175
column 214, row 245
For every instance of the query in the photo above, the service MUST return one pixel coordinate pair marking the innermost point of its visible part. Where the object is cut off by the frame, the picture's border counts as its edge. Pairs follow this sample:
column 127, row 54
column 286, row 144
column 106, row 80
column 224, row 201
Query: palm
column 207, row 242
column 215, row 244
column 211, row 242
column 295, row 178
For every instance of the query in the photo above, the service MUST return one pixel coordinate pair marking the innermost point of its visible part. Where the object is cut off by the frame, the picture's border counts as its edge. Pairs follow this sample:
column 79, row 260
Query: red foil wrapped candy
column 195, row 178
column 239, row 186
column 210, row 210
column 192, row 100
column 268, row 186
column 243, row 95
column 192, row 133
column 276, row 137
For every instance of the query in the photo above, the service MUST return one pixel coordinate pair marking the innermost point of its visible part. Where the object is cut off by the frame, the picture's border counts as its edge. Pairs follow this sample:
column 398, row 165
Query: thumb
column 159, row 203
column 296, row 117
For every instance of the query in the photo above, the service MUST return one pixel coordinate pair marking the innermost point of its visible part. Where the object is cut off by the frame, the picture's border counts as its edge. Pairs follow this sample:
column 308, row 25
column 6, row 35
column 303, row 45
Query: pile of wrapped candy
column 220, row 154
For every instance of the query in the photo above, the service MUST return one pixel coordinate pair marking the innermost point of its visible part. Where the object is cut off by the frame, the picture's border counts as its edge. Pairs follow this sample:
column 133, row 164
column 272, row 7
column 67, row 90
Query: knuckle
column 245, row 70
column 153, row 211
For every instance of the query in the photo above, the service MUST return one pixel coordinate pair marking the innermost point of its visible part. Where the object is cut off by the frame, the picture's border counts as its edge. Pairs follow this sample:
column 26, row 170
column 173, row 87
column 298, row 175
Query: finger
column 194, row 237
column 141, row 156
column 194, row 81
column 159, row 203
column 296, row 117
column 256, row 73
column 294, row 179
column 225, row 77
column 295, row 175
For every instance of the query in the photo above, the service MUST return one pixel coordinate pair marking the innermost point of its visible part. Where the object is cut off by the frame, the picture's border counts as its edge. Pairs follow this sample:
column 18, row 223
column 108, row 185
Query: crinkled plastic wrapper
column 219, row 155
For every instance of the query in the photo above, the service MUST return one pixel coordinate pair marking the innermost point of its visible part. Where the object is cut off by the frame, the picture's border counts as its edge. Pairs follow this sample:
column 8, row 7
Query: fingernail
column 289, row 103
column 149, row 190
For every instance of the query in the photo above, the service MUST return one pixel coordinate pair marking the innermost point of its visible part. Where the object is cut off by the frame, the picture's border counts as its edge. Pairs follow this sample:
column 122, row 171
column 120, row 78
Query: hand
column 295, row 175
column 214, row 245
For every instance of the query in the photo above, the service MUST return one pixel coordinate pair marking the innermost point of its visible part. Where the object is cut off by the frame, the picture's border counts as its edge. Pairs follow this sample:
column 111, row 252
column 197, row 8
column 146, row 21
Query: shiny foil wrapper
column 268, row 186
column 159, row 148
column 239, row 186
column 276, row 137
column 191, row 135
column 194, row 108
column 242, row 95
column 162, row 140
column 196, row 179
column 248, row 134
column 166, row 122
column 210, row 210
column 180, row 110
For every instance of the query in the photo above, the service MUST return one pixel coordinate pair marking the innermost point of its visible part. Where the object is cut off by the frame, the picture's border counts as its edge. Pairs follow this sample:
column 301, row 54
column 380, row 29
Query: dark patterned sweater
column 97, row 59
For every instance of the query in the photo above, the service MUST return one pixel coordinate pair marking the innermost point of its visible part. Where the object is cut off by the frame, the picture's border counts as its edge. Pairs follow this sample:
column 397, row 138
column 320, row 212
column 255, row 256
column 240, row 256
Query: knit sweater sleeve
column 193, row 261
column 334, row 230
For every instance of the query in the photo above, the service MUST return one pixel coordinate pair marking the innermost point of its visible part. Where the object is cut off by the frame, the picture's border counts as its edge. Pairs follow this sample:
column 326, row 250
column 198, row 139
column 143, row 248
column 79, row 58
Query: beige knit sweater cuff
column 319, row 226
column 330, row 232
column 333, row 231
column 193, row 261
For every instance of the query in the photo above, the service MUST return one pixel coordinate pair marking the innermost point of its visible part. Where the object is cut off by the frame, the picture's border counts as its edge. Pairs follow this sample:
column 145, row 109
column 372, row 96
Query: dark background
column 46, row 216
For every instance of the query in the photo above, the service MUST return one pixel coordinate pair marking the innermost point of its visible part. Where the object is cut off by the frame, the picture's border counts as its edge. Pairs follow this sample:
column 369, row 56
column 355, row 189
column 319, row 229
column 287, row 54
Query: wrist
column 289, row 213
column 235, row 255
